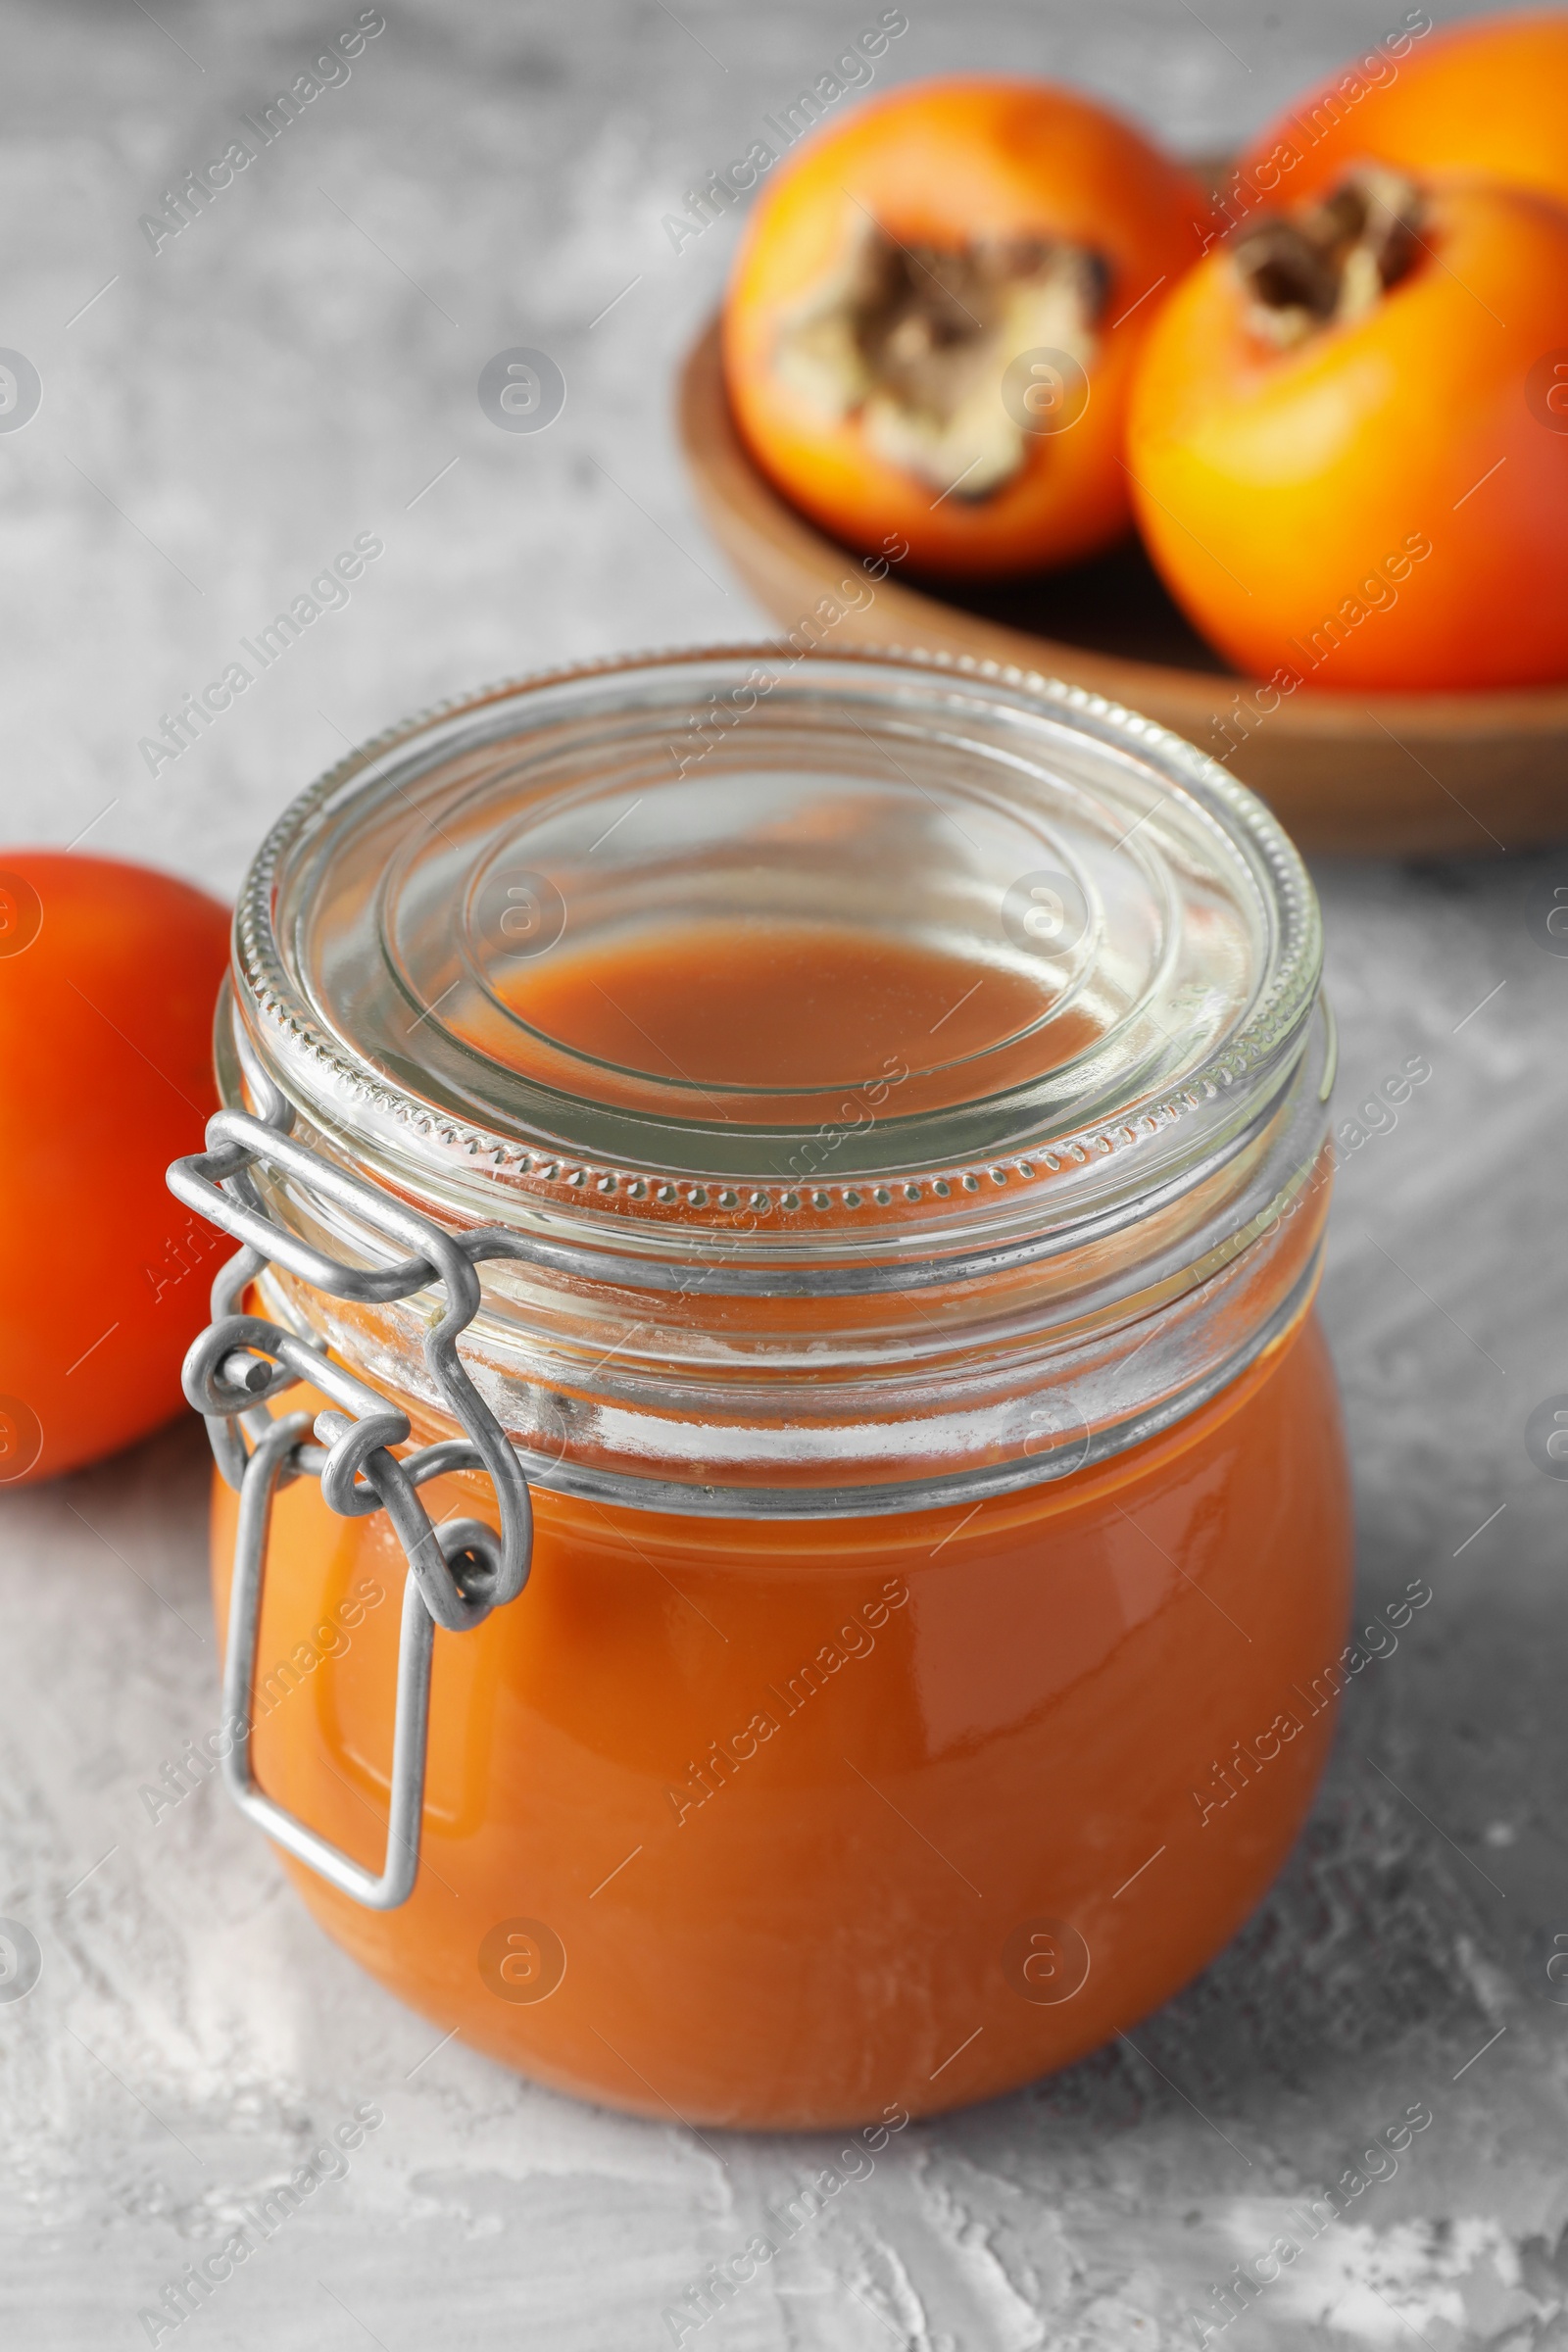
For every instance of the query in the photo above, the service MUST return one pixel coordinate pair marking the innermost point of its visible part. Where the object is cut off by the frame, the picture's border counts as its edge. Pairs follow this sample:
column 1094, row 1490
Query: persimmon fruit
column 1346, row 464
column 1487, row 98
column 935, row 313
column 109, row 974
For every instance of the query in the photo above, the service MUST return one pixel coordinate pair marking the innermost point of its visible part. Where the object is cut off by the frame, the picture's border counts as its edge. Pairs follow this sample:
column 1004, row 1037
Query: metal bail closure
column 458, row 1572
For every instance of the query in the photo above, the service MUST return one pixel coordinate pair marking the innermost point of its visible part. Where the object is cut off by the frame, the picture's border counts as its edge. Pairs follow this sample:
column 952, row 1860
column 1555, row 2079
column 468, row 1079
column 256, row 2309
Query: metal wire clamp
column 458, row 1572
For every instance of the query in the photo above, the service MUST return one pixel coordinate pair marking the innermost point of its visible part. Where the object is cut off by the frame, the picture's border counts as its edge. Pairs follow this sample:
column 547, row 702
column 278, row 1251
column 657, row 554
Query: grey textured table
column 218, row 418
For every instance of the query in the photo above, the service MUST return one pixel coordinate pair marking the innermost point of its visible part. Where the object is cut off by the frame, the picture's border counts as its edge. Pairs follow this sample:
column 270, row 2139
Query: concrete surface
column 221, row 416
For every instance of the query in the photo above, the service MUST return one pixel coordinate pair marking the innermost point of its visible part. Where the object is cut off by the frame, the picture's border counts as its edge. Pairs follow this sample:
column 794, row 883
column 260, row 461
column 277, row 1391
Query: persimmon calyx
column 1332, row 263
column 915, row 339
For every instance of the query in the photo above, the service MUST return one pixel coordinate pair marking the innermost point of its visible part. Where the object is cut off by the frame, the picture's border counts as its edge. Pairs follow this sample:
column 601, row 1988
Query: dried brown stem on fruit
column 1333, row 263
column 916, row 339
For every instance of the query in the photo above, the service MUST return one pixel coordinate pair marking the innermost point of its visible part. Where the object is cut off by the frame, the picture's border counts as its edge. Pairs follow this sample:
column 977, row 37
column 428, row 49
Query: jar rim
column 1035, row 1168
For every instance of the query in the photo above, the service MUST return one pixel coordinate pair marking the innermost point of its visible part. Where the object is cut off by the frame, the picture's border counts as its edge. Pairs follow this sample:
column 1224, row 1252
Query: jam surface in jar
column 913, row 1124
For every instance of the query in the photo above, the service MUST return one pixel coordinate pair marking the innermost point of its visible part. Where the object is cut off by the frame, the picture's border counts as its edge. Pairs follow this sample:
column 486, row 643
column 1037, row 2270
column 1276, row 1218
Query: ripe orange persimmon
column 1489, row 98
column 109, row 974
column 934, row 316
column 1349, row 466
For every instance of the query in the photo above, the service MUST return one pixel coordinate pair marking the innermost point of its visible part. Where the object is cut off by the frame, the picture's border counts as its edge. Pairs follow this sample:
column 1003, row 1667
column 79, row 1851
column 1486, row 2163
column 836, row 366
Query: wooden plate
column 1384, row 774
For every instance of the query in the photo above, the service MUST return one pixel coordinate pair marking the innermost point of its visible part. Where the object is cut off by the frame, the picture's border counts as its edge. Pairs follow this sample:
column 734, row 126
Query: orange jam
column 774, row 1008
column 910, row 1127
column 827, row 1816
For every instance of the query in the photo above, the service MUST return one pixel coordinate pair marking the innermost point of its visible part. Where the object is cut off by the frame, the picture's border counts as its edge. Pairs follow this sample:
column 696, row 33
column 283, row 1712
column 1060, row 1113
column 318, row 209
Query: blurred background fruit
column 109, row 974
column 1338, row 470
column 1489, row 97
column 935, row 313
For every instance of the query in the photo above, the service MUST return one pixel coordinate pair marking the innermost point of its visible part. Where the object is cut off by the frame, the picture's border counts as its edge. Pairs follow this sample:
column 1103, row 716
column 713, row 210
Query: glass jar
column 879, row 1105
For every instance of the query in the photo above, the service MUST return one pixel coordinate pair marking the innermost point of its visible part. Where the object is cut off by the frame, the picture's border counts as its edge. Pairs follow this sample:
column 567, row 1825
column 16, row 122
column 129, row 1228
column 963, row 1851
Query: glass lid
column 819, row 940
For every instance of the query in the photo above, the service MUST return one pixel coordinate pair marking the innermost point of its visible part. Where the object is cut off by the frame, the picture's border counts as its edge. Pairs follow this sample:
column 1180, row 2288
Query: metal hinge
column 459, row 1571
